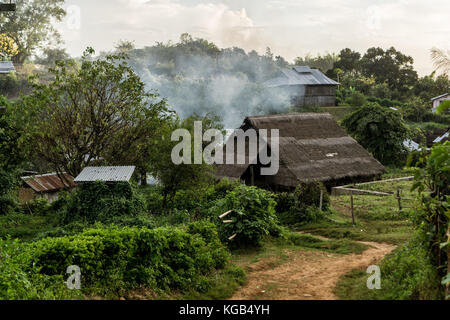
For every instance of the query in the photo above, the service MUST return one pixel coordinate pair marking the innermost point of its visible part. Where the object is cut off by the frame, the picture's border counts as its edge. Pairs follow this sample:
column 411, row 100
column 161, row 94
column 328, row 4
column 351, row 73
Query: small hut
column 307, row 87
column 312, row 147
column 45, row 186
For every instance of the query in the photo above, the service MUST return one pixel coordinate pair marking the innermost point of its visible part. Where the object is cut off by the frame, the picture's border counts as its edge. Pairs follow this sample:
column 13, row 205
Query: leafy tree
column 51, row 55
column 100, row 110
column 431, row 86
column 8, row 47
column 323, row 63
column 433, row 217
column 357, row 99
column 380, row 130
column 415, row 109
column 348, row 60
column 30, row 26
column 175, row 177
column 11, row 157
column 390, row 66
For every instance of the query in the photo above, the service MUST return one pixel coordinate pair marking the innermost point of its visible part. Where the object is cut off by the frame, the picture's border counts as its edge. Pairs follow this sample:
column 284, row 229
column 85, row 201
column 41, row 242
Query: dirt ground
column 306, row 275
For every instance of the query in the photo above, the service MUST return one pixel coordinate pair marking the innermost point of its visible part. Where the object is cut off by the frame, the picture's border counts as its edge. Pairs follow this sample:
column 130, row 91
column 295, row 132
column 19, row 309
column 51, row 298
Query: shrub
column 408, row 274
column 99, row 201
column 38, row 206
column 8, row 200
column 163, row 258
column 356, row 99
column 302, row 205
column 253, row 215
column 20, row 280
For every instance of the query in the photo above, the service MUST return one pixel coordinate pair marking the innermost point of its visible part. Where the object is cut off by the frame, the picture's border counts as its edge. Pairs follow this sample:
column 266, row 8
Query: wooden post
column 447, row 291
column 351, row 204
column 321, row 199
column 252, row 175
column 399, row 199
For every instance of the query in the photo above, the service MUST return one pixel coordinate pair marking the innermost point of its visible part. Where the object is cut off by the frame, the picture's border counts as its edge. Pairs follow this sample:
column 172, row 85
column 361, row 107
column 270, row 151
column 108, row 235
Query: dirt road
column 306, row 275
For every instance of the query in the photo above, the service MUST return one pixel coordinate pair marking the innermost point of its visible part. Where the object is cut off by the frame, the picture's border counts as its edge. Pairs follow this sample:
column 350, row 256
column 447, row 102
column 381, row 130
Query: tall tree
column 348, row 60
column 100, row 110
column 390, row 66
column 30, row 26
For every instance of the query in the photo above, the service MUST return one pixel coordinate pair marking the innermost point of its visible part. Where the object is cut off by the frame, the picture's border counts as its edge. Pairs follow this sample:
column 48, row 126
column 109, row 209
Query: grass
column 353, row 286
column 24, row 226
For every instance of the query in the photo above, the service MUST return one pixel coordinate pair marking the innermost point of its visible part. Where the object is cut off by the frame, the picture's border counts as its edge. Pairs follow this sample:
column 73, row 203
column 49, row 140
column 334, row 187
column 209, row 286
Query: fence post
column 321, row 199
column 399, row 199
column 351, row 204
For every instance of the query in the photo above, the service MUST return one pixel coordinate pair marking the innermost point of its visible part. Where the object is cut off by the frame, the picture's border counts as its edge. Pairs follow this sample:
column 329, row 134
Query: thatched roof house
column 312, row 147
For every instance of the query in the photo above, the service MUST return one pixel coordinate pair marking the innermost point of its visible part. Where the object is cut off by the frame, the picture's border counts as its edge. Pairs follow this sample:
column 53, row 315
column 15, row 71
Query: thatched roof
column 312, row 148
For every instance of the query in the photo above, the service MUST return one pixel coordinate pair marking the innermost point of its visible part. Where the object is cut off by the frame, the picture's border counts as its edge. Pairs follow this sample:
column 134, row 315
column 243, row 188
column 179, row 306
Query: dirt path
column 307, row 275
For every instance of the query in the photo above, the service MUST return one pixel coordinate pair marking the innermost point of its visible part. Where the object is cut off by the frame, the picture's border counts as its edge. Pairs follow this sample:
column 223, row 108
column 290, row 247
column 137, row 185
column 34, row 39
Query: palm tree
column 441, row 59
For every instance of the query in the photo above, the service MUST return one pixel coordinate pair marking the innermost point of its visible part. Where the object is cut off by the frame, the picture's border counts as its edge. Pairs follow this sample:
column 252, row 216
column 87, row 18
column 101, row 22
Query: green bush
column 356, row 99
column 102, row 202
column 20, row 280
column 302, row 205
column 8, row 199
column 113, row 258
column 253, row 215
column 38, row 206
column 408, row 274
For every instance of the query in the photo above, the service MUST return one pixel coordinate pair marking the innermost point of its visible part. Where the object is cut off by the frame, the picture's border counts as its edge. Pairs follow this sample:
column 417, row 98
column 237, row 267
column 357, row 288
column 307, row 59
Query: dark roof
column 441, row 96
column 301, row 75
column 108, row 174
column 312, row 148
column 6, row 67
column 49, row 182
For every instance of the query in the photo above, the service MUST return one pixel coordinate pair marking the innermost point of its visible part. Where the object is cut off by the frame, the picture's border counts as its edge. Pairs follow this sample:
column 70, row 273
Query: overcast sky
column 290, row 28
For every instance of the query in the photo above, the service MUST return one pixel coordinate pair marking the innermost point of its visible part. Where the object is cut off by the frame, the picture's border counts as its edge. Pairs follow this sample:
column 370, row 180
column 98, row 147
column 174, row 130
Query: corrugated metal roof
column 6, row 67
column 49, row 182
column 302, row 75
column 441, row 96
column 107, row 174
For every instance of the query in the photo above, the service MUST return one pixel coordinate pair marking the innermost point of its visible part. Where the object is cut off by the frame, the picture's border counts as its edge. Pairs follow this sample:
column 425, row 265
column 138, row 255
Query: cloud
column 147, row 21
column 290, row 27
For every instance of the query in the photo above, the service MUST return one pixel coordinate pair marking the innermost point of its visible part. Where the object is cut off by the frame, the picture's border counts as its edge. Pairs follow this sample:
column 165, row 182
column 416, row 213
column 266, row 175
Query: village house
column 312, row 147
column 439, row 99
column 307, row 87
column 46, row 186
column 6, row 67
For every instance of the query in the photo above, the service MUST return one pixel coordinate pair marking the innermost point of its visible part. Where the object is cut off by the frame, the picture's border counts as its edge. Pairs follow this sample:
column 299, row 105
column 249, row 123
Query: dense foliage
column 97, row 111
column 120, row 258
column 99, row 201
column 253, row 215
column 302, row 205
column 379, row 130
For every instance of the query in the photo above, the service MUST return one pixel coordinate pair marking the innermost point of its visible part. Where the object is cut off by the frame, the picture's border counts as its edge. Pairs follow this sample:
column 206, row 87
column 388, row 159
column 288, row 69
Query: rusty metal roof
column 108, row 174
column 49, row 182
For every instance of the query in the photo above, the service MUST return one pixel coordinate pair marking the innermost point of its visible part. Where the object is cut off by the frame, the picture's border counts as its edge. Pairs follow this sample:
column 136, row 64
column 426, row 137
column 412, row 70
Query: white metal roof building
column 106, row 174
column 6, row 67
column 302, row 75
